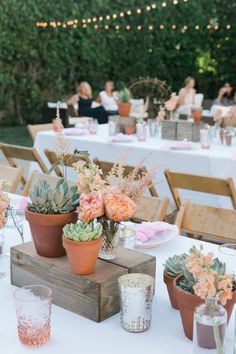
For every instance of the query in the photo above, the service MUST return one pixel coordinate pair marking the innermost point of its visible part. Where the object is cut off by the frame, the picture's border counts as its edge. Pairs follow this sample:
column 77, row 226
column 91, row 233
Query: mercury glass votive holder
column 33, row 310
column 136, row 295
column 127, row 238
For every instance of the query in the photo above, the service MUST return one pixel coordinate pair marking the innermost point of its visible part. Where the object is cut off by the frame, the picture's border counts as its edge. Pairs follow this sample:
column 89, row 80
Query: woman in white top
column 187, row 97
column 108, row 99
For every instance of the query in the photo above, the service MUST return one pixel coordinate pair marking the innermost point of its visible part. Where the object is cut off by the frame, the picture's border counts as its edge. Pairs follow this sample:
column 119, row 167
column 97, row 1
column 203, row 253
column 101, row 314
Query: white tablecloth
column 219, row 161
column 74, row 334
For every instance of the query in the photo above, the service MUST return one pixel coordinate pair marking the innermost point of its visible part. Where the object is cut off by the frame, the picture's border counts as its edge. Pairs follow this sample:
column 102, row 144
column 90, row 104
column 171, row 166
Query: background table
column 74, row 334
column 218, row 161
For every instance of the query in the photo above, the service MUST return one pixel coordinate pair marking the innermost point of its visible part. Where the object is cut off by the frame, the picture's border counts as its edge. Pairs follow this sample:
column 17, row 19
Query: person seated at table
column 226, row 96
column 187, row 97
column 108, row 99
column 85, row 104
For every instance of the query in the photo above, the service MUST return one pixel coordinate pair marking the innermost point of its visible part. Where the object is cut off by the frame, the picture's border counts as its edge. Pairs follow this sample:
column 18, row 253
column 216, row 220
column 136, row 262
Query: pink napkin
column 182, row 145
column 148, row 230
column 75, row 131
column 121, row 138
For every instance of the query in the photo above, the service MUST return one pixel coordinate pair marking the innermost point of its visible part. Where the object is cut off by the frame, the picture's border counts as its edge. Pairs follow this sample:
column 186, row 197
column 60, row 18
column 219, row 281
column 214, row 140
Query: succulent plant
column 124, row 95
column 174, row 265
column 48, row 200
column 82, row 231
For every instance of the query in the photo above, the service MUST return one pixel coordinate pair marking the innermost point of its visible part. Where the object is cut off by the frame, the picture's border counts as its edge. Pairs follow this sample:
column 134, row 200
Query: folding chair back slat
column 69, row 160
column 34, row 129
column 107, row 166
column 202, row 220
column 12, row 175
column 203, row 184
column 36, row 177
column 12, row 152
column 151, row 209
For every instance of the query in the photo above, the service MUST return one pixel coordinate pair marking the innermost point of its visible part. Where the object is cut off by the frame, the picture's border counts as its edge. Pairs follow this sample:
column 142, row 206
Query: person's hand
column 222, row 91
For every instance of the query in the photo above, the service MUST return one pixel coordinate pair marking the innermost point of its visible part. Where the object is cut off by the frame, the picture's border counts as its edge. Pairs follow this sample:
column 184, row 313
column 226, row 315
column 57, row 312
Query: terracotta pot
column 197, row 115
column 82, row 256
column 124, row 109
column 169, row 281
column 129, row 129
column 47, row 232
column 187, row 303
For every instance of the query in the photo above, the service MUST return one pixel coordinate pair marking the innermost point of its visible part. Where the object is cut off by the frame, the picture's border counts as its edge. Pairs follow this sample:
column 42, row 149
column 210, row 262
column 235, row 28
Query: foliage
column 174, row 265
column 38, row 65
column 82, row 231
column 48, row 200
column 124, row 96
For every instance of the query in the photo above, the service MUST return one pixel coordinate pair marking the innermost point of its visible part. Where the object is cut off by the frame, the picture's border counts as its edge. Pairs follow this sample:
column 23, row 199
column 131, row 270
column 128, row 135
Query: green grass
column 15, row 135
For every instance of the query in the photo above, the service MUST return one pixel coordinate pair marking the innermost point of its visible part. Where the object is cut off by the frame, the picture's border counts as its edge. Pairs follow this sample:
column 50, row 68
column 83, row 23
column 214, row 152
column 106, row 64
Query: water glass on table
column 141, row 131
column 205, row 138
column 33, row 310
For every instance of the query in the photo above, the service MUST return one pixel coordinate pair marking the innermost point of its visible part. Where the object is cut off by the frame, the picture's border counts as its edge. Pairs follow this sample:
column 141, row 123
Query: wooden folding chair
column 205, row 221
column 37, row 176
column 12, row 152
column 210, row 185
column 151, row 209
column 107, row 166
column 12, row 175
column 68, row 160
column 34, row 129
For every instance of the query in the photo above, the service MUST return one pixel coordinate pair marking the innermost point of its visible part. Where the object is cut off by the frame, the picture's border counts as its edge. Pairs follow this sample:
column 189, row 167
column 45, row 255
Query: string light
column 94, row 19
column 173, row 27
column 148, row 8
column 114, row 16
column 100, row 18
column 108, row 17
column 153, row 6
column 106, row 27
column 228, row 27
column 128, row 28
column 129, row 12
column 122, row 14
column 150, row 28
column 197, row 27
column 164, row 4
column 162, row 27
column 117, row 27
column 139, row 28
column 139, row 11
column 95, row 27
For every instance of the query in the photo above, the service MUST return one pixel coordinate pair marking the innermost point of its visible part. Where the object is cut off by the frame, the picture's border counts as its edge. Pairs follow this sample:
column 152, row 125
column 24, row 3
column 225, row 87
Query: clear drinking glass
column 228, row 138
column 228, row 255
column 136, row 295
column 152, row 127
column 127, row 237
column 210, row 324
column 93, row 126
column 112, row 126
column 205, row 138
column 141, row 131
column 13, row 232
column 33, row 310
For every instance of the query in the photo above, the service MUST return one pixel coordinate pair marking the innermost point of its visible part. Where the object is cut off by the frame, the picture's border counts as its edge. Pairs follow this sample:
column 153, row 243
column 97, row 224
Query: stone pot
column 187, row 303
column 47, row 232
column 169, row 281
column 82, row 256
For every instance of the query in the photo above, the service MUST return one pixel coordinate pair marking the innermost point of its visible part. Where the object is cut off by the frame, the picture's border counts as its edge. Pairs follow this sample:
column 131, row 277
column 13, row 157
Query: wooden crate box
column 169, row 129
column 93, row 296
column 184, row 130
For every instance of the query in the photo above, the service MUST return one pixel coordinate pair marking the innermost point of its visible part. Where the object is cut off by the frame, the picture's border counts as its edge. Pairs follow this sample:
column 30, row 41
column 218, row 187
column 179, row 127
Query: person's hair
column 111, row 83
column 85, row 84
column 187, row 80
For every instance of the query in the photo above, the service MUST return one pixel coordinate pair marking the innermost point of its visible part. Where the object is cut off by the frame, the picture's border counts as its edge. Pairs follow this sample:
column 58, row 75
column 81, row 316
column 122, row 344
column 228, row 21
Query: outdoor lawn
column 15, row 135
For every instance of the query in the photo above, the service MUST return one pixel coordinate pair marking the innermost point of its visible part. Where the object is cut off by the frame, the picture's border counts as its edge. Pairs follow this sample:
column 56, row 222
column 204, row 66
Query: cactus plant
column 48, row 200
column 174, row 265
column 82, row 231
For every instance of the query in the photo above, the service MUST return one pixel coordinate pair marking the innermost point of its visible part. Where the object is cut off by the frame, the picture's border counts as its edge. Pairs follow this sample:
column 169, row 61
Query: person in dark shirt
column 225, row 96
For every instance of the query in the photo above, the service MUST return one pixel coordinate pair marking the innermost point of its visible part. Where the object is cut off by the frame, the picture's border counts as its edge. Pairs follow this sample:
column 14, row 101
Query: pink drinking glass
column 33, row 310
column 93, row 127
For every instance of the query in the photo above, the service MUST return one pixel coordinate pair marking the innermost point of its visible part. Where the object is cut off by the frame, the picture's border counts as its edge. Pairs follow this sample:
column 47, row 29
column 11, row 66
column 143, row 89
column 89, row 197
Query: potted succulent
column 82, row 242
column 49, row 211
column 188, row 293
column 124, row 104
column 173, row 267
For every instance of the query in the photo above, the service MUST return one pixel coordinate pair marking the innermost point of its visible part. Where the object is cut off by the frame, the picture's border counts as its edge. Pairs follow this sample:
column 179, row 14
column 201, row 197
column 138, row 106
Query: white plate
column 160, row 239
column 188, row 147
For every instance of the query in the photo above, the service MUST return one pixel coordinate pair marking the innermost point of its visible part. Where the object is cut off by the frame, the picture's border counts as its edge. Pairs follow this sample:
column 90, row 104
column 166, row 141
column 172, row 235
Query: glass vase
column 110, row 241
column 210, row 323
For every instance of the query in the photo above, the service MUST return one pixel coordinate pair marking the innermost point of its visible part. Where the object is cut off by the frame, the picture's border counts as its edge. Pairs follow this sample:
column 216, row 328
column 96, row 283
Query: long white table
column 74, row 334
column 218, row 161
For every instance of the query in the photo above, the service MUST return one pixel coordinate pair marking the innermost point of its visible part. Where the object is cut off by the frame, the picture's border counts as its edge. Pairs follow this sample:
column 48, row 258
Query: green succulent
column 174, row 265
column 125, row 95
column 82, row 231
column 48, row 200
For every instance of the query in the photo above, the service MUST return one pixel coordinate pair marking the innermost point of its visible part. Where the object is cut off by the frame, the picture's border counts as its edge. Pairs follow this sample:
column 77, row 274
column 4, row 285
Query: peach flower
column 172, row 103
column 91, row 206
column 118, row 206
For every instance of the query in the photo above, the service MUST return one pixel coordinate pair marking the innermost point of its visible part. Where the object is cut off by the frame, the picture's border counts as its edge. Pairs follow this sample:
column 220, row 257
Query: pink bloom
column 118, row 207
column 225, row 295
column 172, row 103
column 91, row 206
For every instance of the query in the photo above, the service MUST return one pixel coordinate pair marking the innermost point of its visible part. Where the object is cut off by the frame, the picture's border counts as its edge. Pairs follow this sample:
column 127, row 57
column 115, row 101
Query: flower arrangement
column 225, row 117
column 211, row 281
column 4, row 204
column 109, row 200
